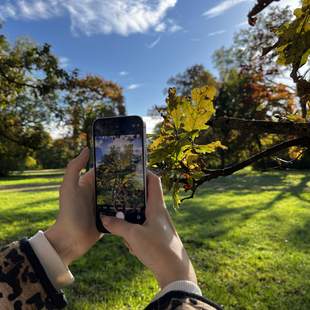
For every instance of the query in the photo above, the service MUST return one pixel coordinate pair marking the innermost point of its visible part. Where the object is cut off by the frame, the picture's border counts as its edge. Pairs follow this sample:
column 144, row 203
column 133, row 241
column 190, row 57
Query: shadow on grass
column 295, row 190
column 47, row 174
column 29, row 187
column 244, row 184
column 207, row 223
column 300, row 236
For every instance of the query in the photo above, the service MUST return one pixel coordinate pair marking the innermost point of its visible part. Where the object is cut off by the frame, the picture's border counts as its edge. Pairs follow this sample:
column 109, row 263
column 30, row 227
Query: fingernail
column 106, row 220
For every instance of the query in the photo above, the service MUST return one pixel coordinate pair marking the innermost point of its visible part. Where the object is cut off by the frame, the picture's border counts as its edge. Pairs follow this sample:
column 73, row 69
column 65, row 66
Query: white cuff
column 59, row 275
column 182, row 285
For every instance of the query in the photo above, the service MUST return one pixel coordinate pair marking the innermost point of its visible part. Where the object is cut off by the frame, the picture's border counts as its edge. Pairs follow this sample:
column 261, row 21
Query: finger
column 155, row 200
column 88, row 178
column 74, row 167
column 117, row 226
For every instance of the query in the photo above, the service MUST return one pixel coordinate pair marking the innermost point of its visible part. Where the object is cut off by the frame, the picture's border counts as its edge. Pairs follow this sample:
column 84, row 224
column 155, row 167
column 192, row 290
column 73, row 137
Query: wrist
column 179, row 271
column 61, row 243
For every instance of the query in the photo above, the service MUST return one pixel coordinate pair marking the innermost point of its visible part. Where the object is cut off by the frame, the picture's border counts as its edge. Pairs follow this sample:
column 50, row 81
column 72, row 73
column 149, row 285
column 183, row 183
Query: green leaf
column 209, row 148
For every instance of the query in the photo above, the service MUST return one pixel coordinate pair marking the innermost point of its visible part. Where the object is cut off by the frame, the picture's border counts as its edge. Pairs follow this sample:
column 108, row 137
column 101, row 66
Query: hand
column 155, row 243
column 75, row 230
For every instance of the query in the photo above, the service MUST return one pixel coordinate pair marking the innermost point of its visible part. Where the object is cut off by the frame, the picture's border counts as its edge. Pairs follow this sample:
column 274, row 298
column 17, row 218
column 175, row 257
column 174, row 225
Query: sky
column 137, row 43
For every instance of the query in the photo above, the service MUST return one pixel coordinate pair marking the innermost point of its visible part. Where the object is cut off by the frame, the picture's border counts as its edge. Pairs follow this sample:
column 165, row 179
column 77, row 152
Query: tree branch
column 258, row 7
column 215, row 173
column 211, row 174
column 258, row 126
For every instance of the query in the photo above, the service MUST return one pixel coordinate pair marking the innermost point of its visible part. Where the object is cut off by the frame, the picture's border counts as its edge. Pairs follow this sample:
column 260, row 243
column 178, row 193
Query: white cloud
column 64, row 62
column 215, row 33
column 133, row 86
column 175, row 28
column 160, row 27
column 154, row 43
column 224, row 6
column 169, row 25
column 94, row 16
column 123, row 73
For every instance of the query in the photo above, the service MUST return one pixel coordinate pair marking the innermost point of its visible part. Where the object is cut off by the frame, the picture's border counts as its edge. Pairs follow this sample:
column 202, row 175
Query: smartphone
column 120, row 173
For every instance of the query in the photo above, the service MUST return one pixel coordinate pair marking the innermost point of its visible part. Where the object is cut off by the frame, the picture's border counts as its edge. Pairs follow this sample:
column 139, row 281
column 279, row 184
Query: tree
column 247, row 47
column 183, row 161
column 55, row 153
column 87, row 99
column 30, row 79
column 192, row 77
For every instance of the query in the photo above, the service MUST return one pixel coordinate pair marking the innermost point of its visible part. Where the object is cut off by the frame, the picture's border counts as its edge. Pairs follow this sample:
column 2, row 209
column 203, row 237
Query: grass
column 248, row 236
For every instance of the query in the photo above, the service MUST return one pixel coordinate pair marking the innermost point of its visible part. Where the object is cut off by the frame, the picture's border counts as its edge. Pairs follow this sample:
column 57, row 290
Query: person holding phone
column 33, row 271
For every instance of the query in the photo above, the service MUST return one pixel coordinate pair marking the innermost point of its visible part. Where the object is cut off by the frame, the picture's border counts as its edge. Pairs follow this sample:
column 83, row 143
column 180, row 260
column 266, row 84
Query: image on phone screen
column 119, row 176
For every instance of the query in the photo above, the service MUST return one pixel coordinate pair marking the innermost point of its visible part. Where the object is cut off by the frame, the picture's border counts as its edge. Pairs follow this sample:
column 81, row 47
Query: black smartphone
column 120, row 173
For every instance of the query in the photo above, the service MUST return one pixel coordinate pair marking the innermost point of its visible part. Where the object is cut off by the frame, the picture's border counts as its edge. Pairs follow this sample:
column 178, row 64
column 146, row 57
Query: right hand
column 155, row 243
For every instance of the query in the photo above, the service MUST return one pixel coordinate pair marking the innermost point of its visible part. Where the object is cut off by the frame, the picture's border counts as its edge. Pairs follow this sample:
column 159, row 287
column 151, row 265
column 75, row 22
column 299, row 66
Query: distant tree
column 30, row 79
column 87, row 99
column 56, row 153
column 245, row 53
column 250, row 86
column 192, row 77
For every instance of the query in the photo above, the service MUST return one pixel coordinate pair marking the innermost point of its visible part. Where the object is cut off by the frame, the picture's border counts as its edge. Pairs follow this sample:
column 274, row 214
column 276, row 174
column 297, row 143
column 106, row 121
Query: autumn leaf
column 210, row 148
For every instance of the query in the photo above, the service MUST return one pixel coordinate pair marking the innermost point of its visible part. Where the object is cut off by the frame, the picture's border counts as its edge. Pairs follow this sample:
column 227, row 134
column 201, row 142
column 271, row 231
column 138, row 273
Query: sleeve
column 59, row 275
column 182, row 300
column 180, row 285
column 24, row 283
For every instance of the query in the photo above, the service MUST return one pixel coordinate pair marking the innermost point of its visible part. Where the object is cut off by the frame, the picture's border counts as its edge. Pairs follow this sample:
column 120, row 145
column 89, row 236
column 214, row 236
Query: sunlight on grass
column 248, row 236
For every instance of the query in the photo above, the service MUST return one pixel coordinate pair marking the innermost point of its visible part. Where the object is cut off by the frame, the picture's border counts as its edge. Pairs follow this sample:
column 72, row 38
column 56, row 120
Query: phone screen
column 119, row 169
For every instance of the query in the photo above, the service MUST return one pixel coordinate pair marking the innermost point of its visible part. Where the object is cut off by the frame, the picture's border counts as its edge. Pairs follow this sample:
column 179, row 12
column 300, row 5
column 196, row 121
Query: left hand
column 75, row 232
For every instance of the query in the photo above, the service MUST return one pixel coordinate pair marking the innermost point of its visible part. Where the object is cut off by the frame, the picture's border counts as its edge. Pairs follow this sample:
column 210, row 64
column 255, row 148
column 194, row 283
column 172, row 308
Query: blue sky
column 136, row 43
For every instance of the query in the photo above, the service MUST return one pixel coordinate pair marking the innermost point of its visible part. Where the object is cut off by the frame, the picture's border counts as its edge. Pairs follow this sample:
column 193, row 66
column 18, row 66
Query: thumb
column 117, row 226
column 74, row 167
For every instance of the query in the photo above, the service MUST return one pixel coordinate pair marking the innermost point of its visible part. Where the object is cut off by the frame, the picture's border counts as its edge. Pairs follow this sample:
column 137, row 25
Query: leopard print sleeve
column 23, row 281
column 179, row 300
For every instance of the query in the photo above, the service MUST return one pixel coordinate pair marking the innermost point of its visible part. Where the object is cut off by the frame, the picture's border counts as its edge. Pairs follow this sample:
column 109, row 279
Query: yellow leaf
column 295, row 152
column 200, row 110
column 177, row 115
column 298, row 12
column 203, row 93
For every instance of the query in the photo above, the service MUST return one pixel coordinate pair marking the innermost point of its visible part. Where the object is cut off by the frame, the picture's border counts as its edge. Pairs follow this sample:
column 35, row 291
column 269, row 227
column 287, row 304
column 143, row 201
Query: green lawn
column 248, row 236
